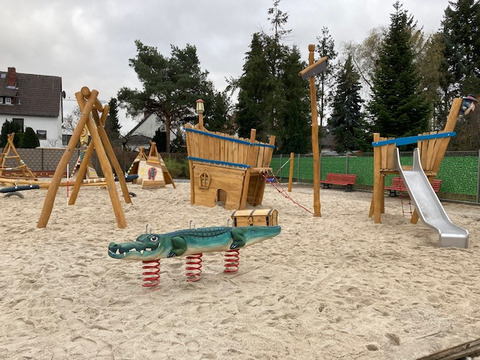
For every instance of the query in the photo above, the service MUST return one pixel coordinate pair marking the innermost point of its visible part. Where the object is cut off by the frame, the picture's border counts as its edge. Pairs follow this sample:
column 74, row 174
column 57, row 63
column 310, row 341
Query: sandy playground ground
column 334, row 287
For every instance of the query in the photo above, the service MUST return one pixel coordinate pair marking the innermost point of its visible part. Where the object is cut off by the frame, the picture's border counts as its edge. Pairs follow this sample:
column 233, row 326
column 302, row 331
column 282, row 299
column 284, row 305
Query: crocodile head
column 146, row 247
column 253, row 234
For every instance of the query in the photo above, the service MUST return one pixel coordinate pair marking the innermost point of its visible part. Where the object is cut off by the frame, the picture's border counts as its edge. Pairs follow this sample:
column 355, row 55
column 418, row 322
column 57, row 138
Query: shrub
column 29, row 139
column 173, row 166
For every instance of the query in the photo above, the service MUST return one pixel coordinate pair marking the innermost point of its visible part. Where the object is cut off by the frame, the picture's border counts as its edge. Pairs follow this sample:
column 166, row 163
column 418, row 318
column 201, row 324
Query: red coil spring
column 232, row 258
column 194, row 267
column 151, row 274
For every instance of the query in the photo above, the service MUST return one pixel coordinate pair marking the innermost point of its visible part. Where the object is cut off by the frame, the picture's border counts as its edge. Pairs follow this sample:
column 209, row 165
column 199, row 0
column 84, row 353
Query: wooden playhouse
column 227, row 169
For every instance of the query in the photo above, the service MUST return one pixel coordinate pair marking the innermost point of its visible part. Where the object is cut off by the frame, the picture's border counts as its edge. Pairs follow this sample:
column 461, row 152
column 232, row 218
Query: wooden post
column 378, row 195
column 107, row 172
column 100, row 122
column 315, row 145
column 250, row 162
column 67, row 155
column 86, row 159
column 449, row 127
column 290, row 175
column 200, row 120
column 190, row 145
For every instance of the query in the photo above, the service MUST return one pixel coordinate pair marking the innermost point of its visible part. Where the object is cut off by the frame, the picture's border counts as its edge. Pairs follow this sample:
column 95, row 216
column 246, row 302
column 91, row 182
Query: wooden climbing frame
column 94, row 115
column 21, row 166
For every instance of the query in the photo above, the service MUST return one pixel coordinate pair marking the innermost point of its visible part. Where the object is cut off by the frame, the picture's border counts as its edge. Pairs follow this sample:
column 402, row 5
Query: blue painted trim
column 229, row 138
column 217, row 162
column 412, row 139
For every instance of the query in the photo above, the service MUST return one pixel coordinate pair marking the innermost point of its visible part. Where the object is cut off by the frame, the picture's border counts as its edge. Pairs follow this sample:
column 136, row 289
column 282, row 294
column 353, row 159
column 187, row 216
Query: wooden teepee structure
column 10, row 153
column 94, row 115
column 151, row 169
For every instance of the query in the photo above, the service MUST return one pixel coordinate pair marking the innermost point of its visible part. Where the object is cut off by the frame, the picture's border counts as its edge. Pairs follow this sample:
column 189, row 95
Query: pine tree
column 171, row 86
column 219, row 118
column 429, row 64
column 112, row 125
column 461, row 26
column 346, row 121
column 397, row 106
column 272, row 97
column 294, row 113
column 325, row 80
column 254, row 87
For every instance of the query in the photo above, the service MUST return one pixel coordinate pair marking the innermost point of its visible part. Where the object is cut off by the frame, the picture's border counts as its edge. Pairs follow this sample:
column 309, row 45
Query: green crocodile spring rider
column 192, row 243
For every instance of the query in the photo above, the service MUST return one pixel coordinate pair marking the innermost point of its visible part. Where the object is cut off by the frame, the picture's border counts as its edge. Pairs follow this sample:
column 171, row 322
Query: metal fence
column 459, row 172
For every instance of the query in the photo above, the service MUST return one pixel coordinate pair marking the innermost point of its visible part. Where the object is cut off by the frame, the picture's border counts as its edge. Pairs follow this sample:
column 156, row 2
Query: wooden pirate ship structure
column 227, row 169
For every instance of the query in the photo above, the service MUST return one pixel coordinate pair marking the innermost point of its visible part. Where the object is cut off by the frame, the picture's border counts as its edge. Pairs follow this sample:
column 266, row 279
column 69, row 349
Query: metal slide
column 428, row 206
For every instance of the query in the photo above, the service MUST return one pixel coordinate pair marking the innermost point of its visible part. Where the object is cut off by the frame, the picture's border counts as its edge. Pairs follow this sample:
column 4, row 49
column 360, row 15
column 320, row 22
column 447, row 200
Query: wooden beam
column 290, row 174
column 469, row 348
column 317, row 212
column 62, row 165
column 250, row 162
column 107, row 170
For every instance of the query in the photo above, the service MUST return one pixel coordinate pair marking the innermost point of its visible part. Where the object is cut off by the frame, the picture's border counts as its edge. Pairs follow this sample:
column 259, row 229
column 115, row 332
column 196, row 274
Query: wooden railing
column 224, row 149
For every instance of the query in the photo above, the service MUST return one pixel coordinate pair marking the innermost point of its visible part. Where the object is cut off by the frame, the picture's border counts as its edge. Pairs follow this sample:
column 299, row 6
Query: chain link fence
column 459, row 171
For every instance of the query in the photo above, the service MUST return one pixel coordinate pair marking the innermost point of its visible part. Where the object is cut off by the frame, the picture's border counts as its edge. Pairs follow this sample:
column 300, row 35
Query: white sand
column 335, row 287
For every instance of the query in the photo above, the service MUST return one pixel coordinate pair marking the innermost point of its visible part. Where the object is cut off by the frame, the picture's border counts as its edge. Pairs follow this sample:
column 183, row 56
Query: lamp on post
column 200, row 109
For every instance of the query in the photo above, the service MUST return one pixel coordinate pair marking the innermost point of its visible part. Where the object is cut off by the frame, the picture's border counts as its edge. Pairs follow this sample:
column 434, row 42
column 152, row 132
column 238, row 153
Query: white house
column 33, row 101
column 145, row 130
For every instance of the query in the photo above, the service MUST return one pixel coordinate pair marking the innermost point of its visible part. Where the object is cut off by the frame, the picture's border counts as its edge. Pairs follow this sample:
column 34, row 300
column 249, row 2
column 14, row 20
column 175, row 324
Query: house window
column 42, row 134
column 8, row 100
column 66, row 139
column 19, row 122
column 1, row 99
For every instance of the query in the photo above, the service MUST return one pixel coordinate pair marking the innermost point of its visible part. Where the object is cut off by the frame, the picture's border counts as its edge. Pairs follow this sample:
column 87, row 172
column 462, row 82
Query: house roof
column 34, row 95
column 140, row 123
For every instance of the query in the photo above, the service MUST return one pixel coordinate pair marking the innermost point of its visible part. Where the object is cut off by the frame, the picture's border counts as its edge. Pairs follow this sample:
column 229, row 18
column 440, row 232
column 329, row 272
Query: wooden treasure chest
column 257, row 217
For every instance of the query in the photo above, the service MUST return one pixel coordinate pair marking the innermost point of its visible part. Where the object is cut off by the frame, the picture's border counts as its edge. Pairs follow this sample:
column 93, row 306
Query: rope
column 281, row 167
column 278, row 186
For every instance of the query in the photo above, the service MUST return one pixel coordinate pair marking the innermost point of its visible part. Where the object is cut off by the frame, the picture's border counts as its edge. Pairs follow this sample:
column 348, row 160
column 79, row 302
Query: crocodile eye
column 154, row 239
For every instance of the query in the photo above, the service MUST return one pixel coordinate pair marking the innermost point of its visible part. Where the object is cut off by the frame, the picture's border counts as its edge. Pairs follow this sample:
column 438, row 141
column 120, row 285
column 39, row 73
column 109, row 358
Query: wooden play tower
column 226, row 169
column 432, row 147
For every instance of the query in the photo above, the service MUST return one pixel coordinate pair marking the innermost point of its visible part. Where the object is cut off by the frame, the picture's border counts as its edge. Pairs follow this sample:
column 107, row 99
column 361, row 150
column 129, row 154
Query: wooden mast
column 309, row 72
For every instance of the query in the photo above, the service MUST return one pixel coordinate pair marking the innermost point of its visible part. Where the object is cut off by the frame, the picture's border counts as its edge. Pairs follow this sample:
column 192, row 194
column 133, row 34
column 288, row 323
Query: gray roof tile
column 35, row 95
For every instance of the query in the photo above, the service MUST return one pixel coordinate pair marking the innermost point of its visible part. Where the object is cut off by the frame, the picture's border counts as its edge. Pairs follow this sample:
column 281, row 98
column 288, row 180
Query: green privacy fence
column 459, row 171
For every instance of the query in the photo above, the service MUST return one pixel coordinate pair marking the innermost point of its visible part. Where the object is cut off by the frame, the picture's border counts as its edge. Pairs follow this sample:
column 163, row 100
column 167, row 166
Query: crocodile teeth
column 141, row 252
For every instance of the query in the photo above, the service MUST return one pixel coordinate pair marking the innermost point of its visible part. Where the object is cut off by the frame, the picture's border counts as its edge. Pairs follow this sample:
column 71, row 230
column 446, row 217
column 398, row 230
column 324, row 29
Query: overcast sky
column 89, row 42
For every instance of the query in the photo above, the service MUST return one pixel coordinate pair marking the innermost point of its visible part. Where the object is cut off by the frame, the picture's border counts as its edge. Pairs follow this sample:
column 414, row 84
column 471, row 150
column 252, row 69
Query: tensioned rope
column 278, row 186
